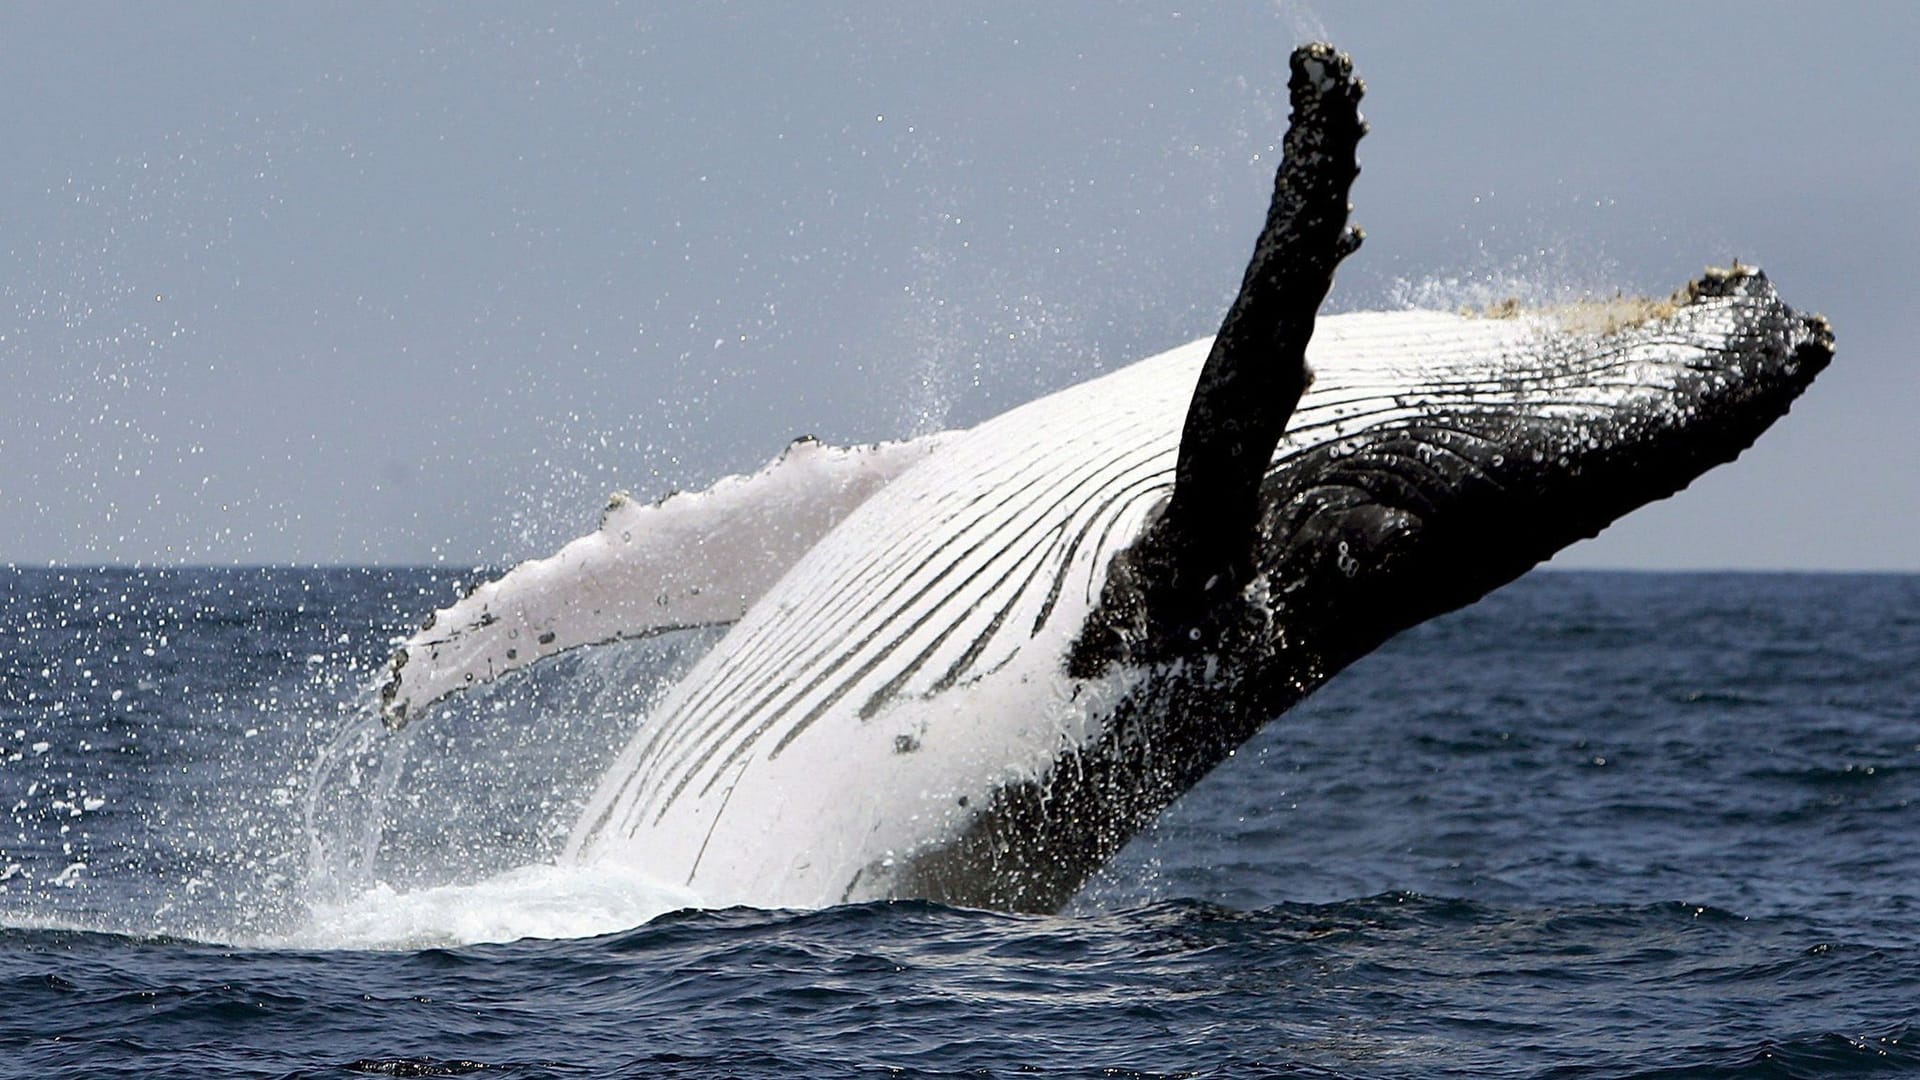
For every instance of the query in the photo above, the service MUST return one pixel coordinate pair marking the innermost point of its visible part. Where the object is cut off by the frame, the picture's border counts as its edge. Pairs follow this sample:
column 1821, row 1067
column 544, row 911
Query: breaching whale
column 969, row 667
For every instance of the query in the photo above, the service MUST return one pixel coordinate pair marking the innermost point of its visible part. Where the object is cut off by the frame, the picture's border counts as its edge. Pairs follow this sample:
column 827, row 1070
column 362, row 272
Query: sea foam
column 540, row 901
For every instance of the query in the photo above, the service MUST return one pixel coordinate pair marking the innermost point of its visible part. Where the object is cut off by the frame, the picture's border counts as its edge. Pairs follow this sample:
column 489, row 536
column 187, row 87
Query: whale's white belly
column 817, row 737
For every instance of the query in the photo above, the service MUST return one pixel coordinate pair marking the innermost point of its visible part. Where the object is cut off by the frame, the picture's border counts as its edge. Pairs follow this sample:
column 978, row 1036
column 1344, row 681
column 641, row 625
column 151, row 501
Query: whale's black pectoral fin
column 1163, row 593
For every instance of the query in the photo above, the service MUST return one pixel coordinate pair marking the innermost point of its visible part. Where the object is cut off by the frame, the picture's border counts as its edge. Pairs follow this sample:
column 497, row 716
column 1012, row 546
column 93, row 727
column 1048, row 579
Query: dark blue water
column 1598, row 826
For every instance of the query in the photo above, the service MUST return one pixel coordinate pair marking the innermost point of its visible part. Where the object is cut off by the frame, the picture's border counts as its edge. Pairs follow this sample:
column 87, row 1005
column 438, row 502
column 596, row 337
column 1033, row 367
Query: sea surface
column 1599, row 825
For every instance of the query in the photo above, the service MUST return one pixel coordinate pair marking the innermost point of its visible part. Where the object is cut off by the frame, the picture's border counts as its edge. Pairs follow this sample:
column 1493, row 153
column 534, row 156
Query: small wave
column 1856, row 774
column 1829, row 1053
column 1725, row 697
column 415, row 1066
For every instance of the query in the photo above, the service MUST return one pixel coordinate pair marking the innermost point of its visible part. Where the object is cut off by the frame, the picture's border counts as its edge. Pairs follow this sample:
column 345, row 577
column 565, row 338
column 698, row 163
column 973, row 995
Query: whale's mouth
column 1477, row 471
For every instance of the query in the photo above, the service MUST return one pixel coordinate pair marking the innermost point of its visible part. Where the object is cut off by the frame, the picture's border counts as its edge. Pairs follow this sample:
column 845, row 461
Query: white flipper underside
column 691, row 559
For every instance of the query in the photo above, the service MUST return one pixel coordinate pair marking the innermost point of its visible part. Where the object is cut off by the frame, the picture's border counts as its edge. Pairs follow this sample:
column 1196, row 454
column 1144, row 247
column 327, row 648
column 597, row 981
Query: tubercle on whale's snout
column 1750, row 380
column 1782, row 350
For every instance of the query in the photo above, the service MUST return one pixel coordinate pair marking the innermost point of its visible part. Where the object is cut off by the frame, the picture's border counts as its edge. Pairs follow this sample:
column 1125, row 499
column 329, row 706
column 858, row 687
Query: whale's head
column 1399, row 494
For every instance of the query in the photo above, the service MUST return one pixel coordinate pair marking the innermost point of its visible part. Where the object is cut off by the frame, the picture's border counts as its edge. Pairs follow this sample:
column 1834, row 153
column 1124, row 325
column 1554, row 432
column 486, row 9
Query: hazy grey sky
column 373, row 284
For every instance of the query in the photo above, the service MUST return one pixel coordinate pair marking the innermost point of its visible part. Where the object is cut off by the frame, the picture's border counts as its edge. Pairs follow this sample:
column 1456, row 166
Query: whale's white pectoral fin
column 691, row 559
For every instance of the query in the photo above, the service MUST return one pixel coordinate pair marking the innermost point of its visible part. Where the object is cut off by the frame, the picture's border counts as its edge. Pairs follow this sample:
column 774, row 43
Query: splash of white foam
column 541, row 901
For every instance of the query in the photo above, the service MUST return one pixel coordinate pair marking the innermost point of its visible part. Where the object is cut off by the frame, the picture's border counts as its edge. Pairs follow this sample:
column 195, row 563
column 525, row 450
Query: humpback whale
column 968, row 667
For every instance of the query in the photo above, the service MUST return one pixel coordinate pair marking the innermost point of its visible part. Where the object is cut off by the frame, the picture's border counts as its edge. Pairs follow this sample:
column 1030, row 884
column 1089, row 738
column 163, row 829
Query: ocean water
column 1599, row 825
